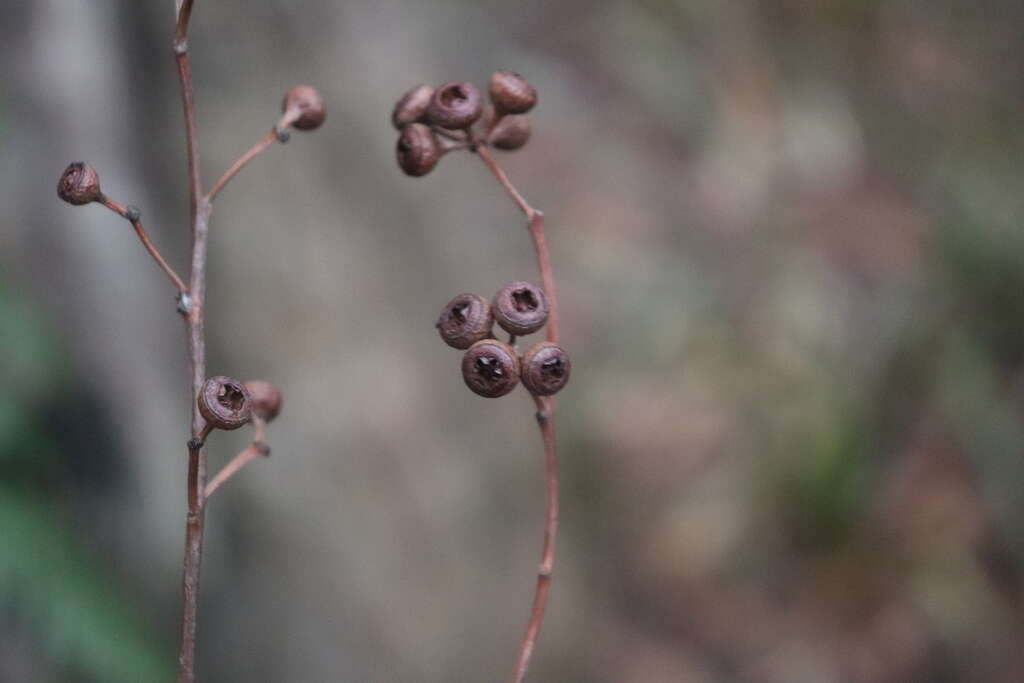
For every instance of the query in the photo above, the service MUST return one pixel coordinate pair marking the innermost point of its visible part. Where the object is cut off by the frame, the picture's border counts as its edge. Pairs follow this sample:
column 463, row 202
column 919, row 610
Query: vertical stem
column 193, row 311
column 547, row 280
column 545, row 420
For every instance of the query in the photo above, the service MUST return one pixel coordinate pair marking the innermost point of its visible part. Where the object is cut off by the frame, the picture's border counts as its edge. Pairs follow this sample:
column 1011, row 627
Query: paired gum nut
column 491, row 368
column 519, row 307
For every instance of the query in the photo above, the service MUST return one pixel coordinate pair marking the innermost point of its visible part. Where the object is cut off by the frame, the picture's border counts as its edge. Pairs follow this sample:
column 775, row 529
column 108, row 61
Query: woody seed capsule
column 225, row 403
column 512, row 132
column 417, row 150
column 79, row 184
column 490, row 368
column 545, row 369
column 266, row 399
column 455, row 105
column 511, row 93
column 465, row 320
column 412, row 106
column 520, row 308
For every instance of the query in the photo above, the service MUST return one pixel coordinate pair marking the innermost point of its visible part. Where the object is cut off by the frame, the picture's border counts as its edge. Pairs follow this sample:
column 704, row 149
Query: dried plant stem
column 535, row 221
column 545, row 421
column 146, row 242
column 192, row 308
column 258, row 448
column 266, row 141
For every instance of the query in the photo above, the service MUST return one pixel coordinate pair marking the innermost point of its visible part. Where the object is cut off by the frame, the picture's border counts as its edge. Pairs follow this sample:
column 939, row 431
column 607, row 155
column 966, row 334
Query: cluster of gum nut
column 492, row 368
column 432, row 122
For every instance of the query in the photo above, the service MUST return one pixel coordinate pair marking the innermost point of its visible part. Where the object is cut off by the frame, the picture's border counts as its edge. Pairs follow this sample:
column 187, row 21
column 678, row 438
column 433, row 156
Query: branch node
column 184, row 303
column 132, row 213
column 282, row 134
column 195, row 444
column 181, row 46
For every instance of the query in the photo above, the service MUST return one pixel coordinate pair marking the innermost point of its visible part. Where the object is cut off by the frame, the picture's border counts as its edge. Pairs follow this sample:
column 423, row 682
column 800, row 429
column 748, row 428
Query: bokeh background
column 789, row 247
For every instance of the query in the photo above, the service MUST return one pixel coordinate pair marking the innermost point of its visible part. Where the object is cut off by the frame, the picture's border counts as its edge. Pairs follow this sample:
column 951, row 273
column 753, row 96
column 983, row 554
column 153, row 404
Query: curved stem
column 256, row 449
column 266, row 141
column 146, row 242
column 535, row 221
column 545, row 418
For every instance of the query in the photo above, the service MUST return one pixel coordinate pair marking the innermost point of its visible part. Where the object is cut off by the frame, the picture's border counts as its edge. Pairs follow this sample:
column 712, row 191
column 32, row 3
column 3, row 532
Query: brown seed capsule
column 455, row 105
column 520, row 308
column 412, row 106
column 266, row 399
column 465, row 320
column 418, row 150
column 511, row 93
column 490, row 368
column 545, row 369
column 307, row 105
column 512, row 132
column 79, row 184
column 225, row 403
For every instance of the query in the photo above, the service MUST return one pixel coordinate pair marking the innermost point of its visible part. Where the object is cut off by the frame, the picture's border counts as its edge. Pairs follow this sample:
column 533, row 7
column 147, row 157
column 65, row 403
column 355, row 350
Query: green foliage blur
column 58, row 592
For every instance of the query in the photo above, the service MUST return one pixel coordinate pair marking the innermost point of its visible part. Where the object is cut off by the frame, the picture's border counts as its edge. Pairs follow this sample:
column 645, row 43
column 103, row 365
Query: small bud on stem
column 417, row 150
column 511, row 132
column 412, row 106
column 511, row 93
column 303, row 108
column 266, row 399
column 79, row 184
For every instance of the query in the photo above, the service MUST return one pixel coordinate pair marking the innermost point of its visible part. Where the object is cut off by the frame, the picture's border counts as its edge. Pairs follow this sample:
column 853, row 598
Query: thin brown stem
column 545, row 418
column 257, row 449
column 266, row 141
column 192, row 307
column 132, row 218
column 535, row 221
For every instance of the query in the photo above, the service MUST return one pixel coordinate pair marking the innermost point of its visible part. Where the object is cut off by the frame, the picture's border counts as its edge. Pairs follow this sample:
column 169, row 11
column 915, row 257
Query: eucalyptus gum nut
column 79, row 184
column 455, row 105
column 225, row 403
column 412, row 106
column 520, row 308
column 511, row 93
column 545, row 369
column 465, row 320
column 417, row 150
column 490, row 368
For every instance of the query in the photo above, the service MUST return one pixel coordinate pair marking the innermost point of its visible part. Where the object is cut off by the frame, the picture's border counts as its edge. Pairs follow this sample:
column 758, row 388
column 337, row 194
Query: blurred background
column 787, row 237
